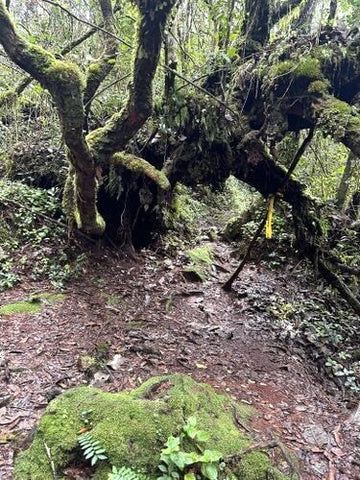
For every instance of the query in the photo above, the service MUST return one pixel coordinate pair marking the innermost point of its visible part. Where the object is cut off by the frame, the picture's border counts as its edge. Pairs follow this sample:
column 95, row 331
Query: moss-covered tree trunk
column 68, row 88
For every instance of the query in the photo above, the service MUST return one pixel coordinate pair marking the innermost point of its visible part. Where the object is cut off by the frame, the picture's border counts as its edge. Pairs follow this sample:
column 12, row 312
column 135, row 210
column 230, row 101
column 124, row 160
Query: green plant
column 32, row 237
column 92, row 450
column 340, row 371
column 177, row 462
column 126, row 473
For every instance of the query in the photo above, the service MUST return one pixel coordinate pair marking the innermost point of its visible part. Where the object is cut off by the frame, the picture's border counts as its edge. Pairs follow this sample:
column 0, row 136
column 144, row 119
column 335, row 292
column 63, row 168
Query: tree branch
column 98, row 71
column 17, row 91
column 122, row 126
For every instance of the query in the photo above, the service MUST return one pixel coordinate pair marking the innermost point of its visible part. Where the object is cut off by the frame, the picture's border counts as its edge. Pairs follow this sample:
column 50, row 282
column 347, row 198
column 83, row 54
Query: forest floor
column 149, row 320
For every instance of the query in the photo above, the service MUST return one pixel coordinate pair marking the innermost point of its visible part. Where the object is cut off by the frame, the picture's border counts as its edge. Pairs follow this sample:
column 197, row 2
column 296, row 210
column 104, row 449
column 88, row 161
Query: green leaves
column 125, row 473
column 176, row 460
column 92, row 450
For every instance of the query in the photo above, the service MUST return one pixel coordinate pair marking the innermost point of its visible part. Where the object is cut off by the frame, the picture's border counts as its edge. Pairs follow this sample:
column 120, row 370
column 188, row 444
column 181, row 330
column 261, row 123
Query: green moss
column 201, row 259
column 255, row 466
column 201, row 255
column 185, row 211
column 354, row 125
column 30, row 307
column 337, row 118
column 194, row 273
column 97, row 227
column 318, row 87
column 140, row 166
column 41, row 58
column 60, row 72
column 95, row 68
column 8, row 97
column 307, row 68
column 233, row 228
column 94, row 228
column 133, row 427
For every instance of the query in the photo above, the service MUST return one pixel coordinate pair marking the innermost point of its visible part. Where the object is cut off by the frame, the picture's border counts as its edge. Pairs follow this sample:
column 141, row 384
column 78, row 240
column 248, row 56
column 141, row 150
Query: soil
column 146, row 317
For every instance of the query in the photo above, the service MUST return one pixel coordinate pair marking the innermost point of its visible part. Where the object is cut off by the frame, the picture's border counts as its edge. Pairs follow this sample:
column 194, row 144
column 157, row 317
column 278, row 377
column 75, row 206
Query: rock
column 132, row 428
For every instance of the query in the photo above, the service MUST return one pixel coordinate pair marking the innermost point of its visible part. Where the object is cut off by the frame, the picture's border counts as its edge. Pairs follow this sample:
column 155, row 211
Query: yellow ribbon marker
column 268, row 228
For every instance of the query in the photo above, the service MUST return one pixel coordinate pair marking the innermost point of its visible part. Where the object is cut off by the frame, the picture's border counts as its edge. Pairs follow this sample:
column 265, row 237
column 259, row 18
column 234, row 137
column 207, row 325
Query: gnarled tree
column 72, row 94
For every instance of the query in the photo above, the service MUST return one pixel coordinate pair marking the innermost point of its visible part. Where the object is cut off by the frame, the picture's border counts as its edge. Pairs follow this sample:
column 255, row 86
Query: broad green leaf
column 210, row 471
column 190, row 476
column 202, row 436
column 210, row 456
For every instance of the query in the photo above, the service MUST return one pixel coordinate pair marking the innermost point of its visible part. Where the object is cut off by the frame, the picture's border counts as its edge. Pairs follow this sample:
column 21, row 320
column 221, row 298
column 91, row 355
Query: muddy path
column 146, row 318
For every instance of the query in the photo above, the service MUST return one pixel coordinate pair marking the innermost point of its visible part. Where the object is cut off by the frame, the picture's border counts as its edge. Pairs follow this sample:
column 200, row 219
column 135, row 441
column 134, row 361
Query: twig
column 239, row 422
column 52, row 464
column 227, row 285
column 201, row 89
column 287, row 457
column 118, row 80
column 332, row 471
column 297, row 157
column 64, row 51
column 251, row 448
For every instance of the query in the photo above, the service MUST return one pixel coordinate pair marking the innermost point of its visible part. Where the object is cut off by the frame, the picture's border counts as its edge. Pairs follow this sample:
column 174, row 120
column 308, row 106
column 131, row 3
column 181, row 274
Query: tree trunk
column 342, row 192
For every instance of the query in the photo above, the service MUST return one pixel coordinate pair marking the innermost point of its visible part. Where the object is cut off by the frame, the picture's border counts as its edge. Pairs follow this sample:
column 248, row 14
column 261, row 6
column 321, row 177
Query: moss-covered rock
column 201, row 259
column 185, row 211
column 133, row 427
column 30, row 307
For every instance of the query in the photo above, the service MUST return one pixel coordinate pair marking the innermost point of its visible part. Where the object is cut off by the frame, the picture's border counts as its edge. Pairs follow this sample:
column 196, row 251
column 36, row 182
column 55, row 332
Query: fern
column 91, row 448
column 126, row 473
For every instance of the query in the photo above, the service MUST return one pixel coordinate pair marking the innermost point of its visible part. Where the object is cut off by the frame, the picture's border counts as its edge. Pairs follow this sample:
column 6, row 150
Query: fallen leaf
column 100, row 378
column 337, row 452
column 82, row 430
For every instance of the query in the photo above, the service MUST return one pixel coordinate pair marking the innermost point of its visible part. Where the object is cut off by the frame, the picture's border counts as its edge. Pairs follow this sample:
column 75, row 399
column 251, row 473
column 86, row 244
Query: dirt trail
column 156, row 322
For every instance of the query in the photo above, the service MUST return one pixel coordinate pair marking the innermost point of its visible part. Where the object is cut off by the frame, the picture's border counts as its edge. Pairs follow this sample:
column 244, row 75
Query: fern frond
column 126, row 473
column 91, row 448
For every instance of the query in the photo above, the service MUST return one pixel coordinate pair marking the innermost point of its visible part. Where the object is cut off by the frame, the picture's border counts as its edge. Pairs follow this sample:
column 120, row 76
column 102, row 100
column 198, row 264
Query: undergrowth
column 33, row 237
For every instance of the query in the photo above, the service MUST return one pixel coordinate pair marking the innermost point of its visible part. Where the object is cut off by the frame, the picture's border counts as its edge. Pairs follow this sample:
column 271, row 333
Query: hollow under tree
column 308, row 81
